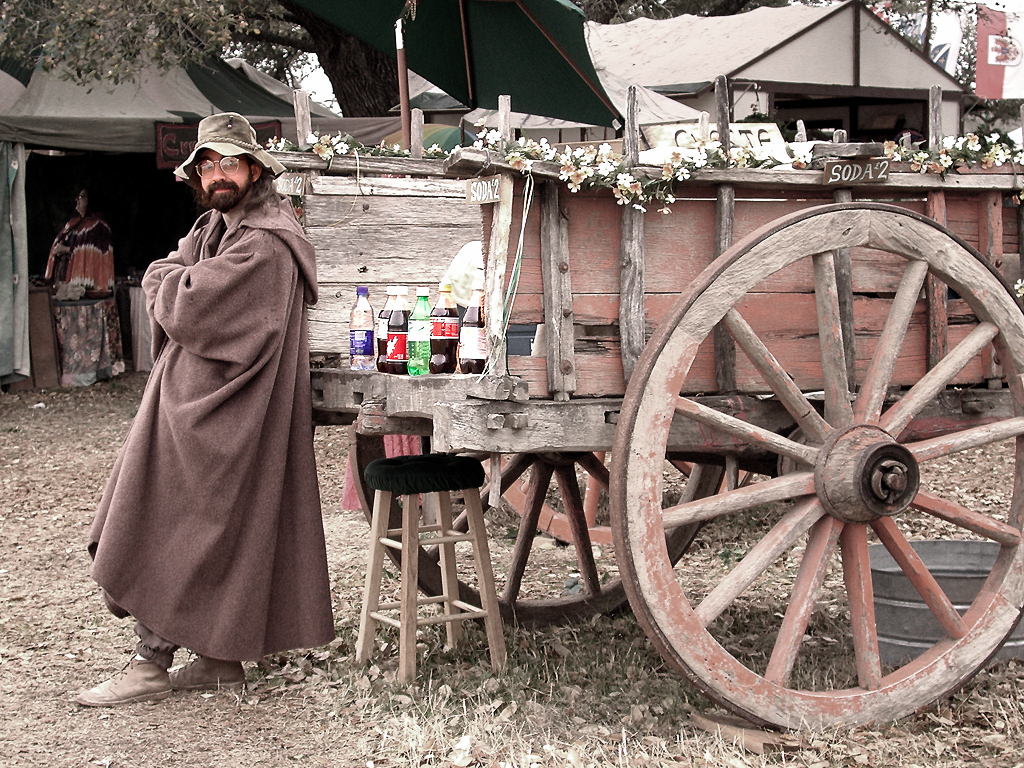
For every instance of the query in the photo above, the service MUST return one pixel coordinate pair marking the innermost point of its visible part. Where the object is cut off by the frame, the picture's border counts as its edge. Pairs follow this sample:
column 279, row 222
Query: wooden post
column 497, row 254
column 935, row 118
column 844, row 287
column 990, row 243
column 303, row 129
column 494, row 277
column 725, row 345
column 303, row 121
column 936, row 293
column 631, row 255
column 557, row 282
column 403, row 85
column 416, row 134
column 722, row 112
column 704, row 126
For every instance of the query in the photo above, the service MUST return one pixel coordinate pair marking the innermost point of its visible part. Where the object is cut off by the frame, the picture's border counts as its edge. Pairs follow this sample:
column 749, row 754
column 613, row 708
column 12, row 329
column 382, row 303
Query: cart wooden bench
column 773, row 349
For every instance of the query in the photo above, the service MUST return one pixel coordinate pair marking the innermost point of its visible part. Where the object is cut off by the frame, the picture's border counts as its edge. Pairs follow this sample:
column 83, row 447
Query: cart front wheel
column 780, row 627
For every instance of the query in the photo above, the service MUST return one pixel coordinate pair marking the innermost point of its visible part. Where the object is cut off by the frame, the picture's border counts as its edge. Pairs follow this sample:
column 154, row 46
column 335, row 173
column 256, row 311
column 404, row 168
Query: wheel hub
column 865, row 475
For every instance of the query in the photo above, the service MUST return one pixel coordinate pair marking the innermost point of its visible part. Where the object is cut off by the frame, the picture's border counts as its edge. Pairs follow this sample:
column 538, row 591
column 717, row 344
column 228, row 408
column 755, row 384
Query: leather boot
column 140, row 681
column 206, row 674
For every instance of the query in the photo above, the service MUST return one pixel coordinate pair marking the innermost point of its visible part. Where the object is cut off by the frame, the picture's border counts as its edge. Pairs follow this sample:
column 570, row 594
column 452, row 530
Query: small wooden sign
column 482, row 191
column 856, row 171
column 175, row 141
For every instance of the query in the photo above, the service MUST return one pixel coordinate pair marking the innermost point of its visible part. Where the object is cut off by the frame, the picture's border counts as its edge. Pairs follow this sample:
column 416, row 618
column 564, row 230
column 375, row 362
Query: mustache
column 223, row 184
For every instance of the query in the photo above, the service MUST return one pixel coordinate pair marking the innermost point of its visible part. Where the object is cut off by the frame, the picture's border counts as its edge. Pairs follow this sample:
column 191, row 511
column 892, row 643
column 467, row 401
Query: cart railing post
column 631, row 255
column 557, row 282
column 725, row 213
column 844, row 284
column 497, row 253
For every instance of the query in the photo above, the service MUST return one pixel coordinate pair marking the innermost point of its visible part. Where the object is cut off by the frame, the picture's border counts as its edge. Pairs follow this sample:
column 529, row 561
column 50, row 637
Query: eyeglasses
column 228, row 165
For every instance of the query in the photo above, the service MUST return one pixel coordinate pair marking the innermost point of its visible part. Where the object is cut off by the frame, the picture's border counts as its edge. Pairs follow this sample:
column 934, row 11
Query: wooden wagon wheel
column 850, row 481
column 594, row 595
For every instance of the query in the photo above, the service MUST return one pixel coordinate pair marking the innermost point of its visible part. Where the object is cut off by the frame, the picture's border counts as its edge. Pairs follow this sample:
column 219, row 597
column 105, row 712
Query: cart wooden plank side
column 806, row 351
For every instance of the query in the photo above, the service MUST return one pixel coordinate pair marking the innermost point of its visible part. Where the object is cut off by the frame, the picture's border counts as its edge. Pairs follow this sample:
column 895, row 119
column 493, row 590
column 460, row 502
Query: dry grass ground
column 593, row 694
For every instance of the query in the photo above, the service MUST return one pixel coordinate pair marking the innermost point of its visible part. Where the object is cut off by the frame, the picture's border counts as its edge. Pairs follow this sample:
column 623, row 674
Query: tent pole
column 403, row 86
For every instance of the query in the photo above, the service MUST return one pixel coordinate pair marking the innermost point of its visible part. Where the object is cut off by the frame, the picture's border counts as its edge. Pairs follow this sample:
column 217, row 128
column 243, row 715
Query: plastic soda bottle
column 382, row 329
column 473, row 334
column 360, row 333
column 444, row 332
column 419, row 334
column 398, row 334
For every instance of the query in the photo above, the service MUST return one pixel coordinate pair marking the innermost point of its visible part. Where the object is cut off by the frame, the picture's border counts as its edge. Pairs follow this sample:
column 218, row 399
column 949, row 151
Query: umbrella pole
column 403, row 86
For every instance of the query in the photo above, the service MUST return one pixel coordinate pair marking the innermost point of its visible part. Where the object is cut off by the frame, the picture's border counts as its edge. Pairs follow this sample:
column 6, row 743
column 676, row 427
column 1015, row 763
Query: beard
column 222, row 195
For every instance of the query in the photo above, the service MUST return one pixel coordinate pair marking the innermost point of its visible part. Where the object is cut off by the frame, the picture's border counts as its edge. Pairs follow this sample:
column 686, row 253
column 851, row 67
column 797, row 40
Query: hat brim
column 261, row 156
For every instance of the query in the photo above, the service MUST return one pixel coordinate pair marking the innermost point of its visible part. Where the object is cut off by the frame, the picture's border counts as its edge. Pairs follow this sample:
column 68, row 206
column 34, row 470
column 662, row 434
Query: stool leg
column 374, row 571
column 485, row 577
column 449, row 573
column 408, row 610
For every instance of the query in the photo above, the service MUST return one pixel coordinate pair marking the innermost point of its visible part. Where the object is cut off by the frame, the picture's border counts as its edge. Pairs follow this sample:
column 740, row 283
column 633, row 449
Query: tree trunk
column 365, row 81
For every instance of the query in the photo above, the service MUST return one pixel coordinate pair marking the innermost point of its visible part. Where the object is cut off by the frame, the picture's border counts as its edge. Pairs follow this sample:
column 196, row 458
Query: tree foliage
column 112, row 39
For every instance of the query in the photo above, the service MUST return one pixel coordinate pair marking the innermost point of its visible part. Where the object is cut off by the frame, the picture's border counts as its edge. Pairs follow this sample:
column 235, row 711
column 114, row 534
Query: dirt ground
column 602, row 683
column 56, row 450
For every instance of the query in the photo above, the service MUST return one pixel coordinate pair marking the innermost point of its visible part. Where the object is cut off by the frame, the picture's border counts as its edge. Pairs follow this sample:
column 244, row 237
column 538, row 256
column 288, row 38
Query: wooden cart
column 791, row 360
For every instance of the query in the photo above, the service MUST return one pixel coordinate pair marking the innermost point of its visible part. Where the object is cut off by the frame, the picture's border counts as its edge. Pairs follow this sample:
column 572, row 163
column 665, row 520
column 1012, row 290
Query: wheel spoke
column 821, row 544
column 781, row 383
column 872, row 394
column 895, row 420
column 572, row 500
column 748, row 433
column 782, row 536
column 859, row 593
column 951, row 512
column 838, row 411
column 777, row 489
column 540, row 479
column 975, row 437
column 594, row 465
column 918, row 574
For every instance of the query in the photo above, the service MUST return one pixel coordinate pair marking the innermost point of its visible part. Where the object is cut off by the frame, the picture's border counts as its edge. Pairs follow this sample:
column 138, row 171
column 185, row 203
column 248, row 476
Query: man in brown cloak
column 209, row 532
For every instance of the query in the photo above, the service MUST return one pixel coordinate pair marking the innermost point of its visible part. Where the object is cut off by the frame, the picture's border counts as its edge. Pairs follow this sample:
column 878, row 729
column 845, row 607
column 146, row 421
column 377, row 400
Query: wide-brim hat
column 227, row 134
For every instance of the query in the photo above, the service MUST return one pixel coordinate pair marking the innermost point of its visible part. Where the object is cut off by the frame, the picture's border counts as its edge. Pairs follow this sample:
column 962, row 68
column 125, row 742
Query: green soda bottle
column 419, row 334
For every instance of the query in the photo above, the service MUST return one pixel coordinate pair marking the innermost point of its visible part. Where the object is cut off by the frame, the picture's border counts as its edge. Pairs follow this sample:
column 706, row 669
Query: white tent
column 837, row 64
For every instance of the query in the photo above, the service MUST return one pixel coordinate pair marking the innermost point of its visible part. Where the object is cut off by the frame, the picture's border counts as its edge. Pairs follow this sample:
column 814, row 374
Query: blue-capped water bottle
column 360, row 333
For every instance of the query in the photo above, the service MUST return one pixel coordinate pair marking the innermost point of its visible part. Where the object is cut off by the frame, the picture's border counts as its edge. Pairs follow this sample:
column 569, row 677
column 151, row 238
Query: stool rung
column 452, row 536
column 448, row 617
column 386, row 619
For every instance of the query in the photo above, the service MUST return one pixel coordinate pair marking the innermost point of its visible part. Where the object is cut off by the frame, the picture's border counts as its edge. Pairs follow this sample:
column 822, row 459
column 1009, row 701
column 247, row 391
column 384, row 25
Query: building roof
column 796, row 43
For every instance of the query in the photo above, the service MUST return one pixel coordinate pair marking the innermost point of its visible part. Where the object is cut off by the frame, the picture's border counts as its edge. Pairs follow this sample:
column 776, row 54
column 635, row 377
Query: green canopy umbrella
column 476, row 50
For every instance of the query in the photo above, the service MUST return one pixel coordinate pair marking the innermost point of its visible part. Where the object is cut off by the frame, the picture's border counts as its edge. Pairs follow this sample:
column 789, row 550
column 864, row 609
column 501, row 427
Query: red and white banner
column 1000, row 62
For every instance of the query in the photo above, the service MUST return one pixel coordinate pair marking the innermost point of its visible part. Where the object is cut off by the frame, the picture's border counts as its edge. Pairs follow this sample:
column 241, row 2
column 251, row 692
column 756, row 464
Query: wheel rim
column 685, row 631
column 595, row 594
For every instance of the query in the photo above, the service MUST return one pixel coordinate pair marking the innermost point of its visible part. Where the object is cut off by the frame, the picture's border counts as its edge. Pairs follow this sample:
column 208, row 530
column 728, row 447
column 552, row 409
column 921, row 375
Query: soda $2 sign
column 482, row 191
column 856, row 171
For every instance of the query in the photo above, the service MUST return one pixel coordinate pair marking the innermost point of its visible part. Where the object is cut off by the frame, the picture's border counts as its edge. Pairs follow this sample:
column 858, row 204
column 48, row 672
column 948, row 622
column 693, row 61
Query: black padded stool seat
column 433, row 476
column 430, row 473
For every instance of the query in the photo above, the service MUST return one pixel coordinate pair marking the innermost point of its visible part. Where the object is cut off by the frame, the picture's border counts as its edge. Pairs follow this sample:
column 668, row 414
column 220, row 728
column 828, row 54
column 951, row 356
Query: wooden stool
column 410, row 476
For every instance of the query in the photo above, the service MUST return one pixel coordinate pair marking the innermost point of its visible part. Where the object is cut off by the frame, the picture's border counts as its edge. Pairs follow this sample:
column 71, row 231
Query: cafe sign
column 175, row 141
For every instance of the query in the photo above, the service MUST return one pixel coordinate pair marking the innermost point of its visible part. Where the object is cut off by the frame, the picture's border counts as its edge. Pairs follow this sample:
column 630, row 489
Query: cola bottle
column 382, row 329
column 473, row 334
column 398, row 335
column 444, row 332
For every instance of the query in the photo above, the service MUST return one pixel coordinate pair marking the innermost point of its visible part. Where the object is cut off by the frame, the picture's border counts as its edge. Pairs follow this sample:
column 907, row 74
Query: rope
column 513, row 280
